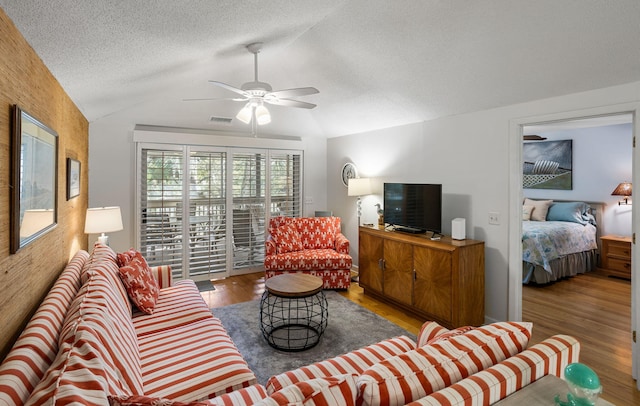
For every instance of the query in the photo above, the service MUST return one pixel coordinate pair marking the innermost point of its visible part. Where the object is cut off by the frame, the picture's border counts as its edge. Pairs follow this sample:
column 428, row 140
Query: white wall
column 470, row 155
column 602, row 159
column 112, row 168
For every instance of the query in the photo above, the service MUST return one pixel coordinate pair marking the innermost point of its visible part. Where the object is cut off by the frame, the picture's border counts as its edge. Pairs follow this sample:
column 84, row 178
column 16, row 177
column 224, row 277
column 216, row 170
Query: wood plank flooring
column 596, row 310
column 593, row 308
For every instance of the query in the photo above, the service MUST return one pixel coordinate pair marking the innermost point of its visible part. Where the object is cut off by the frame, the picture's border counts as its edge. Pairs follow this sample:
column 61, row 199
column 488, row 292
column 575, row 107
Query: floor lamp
column 359, row 187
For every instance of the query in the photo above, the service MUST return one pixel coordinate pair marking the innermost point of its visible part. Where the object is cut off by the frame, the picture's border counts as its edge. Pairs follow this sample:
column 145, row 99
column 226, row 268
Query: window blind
column 203, row 210
column 285, row 184
column 249, row 201
column 207, row 212
column 161, row 199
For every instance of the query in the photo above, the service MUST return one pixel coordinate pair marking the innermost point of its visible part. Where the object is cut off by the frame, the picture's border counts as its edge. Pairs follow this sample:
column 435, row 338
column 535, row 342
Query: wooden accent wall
column 26, row 276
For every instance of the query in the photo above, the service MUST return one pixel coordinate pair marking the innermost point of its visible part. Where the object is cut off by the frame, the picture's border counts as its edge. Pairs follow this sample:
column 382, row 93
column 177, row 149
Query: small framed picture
column 73, row 178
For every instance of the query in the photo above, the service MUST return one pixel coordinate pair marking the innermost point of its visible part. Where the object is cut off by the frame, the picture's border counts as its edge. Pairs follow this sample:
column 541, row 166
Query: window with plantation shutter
column 207, row 213
column 285, row 184
column 204, row 210
column 161, row 192
column 249, row 202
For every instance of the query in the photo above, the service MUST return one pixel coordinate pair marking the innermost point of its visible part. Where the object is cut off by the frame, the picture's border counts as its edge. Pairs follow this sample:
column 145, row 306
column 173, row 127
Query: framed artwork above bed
column 547, row 165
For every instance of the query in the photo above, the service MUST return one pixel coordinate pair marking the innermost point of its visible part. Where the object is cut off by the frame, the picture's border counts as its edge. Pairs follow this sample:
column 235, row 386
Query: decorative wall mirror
column 34, row 179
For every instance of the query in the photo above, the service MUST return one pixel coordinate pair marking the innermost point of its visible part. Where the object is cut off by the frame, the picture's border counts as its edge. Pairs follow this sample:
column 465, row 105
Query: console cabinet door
column 398, row 270
column 433, row 282
column 370, row 256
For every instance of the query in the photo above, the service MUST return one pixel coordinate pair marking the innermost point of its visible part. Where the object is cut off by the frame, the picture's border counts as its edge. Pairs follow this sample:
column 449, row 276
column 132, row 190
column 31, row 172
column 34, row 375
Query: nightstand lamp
column 624, row 189
column 101, row 220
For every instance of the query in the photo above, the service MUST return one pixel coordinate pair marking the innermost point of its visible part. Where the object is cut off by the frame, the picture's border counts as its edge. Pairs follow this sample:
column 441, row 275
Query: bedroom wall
column 602, row 158
column 470, row 155
column 26, row 276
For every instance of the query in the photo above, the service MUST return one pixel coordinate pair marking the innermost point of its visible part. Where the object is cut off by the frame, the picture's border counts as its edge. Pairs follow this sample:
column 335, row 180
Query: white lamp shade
column 359, row 187
column 103, row 220
column 262, row 115
column 245, row 114
column 34, row 221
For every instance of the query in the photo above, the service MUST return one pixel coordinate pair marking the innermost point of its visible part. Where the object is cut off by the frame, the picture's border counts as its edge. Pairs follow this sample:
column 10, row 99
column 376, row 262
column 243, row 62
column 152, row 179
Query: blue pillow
column 575, row 212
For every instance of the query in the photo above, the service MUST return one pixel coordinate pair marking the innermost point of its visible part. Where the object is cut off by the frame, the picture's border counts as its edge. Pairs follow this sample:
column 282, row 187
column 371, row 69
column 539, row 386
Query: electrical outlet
column 308, row 200
column 494, row 217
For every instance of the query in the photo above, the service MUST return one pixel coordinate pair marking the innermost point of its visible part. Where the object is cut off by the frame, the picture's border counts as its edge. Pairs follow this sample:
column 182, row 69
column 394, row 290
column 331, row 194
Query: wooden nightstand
column 616, row 256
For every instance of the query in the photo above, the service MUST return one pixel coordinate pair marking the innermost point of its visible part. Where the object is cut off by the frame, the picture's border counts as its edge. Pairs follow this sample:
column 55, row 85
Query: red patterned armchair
column 311, row 245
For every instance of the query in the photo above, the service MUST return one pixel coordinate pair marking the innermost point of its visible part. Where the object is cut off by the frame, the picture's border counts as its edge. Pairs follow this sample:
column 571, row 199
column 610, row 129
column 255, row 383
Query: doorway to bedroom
column 591, row 306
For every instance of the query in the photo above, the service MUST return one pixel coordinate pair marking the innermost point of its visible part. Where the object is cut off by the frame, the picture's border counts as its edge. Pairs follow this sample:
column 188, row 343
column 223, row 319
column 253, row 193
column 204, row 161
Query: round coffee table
column 293, row 311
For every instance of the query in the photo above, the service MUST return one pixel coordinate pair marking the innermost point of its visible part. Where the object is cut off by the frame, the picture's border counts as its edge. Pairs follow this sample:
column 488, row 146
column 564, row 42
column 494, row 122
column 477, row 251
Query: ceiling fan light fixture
column 257, row 93
column 262, row 115
column 245, row 114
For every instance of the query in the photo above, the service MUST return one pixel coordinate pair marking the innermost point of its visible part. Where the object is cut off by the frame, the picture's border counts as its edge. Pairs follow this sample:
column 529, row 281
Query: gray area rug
column 350, row 327
column 205, row 286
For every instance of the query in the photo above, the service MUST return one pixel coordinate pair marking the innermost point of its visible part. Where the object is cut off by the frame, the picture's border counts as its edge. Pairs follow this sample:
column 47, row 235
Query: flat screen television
column 413, row 207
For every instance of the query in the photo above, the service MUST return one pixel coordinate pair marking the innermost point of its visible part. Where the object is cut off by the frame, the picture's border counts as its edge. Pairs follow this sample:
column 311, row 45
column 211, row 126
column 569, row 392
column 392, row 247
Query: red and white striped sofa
column 86, row 346
column 85, row 343
column 311, row 245
column 466, row 366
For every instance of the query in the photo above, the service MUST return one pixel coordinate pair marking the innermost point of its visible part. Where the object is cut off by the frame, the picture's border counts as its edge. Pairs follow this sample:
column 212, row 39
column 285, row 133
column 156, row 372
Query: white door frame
column 515, row 211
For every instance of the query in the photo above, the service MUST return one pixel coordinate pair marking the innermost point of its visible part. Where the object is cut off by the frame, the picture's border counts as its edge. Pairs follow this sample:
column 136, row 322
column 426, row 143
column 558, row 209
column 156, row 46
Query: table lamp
column 624, row 189
column 103, row 220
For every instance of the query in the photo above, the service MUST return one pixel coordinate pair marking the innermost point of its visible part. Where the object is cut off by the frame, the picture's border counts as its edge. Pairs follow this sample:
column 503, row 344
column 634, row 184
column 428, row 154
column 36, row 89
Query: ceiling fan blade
column 301, row 91
column 214, row 99
column 230, row 88
column 290, row 103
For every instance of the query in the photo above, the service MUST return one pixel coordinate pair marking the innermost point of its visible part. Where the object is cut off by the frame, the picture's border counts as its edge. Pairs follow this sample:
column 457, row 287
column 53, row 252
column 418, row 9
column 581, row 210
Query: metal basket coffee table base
column 293, row 323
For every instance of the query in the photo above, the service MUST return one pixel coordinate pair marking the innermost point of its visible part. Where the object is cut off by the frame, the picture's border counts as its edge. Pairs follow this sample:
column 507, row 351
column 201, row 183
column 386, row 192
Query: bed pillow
column 526, row 212
column 540, row 208
column 574, row 212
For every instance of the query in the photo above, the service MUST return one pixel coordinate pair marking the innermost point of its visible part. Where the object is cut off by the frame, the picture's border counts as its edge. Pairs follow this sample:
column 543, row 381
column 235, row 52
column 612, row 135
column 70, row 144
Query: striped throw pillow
column 354, row 362
column 417, row 373
column 242, row 397
column 449, row 334
column 428, row 331
column 337, row 390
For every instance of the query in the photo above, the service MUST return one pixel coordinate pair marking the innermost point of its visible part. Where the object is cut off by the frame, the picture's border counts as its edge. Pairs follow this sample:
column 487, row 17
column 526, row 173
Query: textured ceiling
column 377, row 63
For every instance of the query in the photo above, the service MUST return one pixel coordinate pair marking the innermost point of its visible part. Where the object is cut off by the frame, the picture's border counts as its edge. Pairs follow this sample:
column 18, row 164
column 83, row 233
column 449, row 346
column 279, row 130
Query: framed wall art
column 34, row 179
column 73, row 178
column 547, row 165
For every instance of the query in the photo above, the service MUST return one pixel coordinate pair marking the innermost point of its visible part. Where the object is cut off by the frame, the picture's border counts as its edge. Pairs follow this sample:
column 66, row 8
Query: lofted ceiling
column 376, row 63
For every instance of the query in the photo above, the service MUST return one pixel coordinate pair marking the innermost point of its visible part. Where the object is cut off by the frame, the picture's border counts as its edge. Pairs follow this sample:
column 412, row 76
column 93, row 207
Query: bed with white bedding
column 562, row 243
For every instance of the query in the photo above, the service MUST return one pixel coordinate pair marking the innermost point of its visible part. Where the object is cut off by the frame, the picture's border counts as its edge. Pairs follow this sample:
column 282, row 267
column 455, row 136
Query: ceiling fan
column 257, row 93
